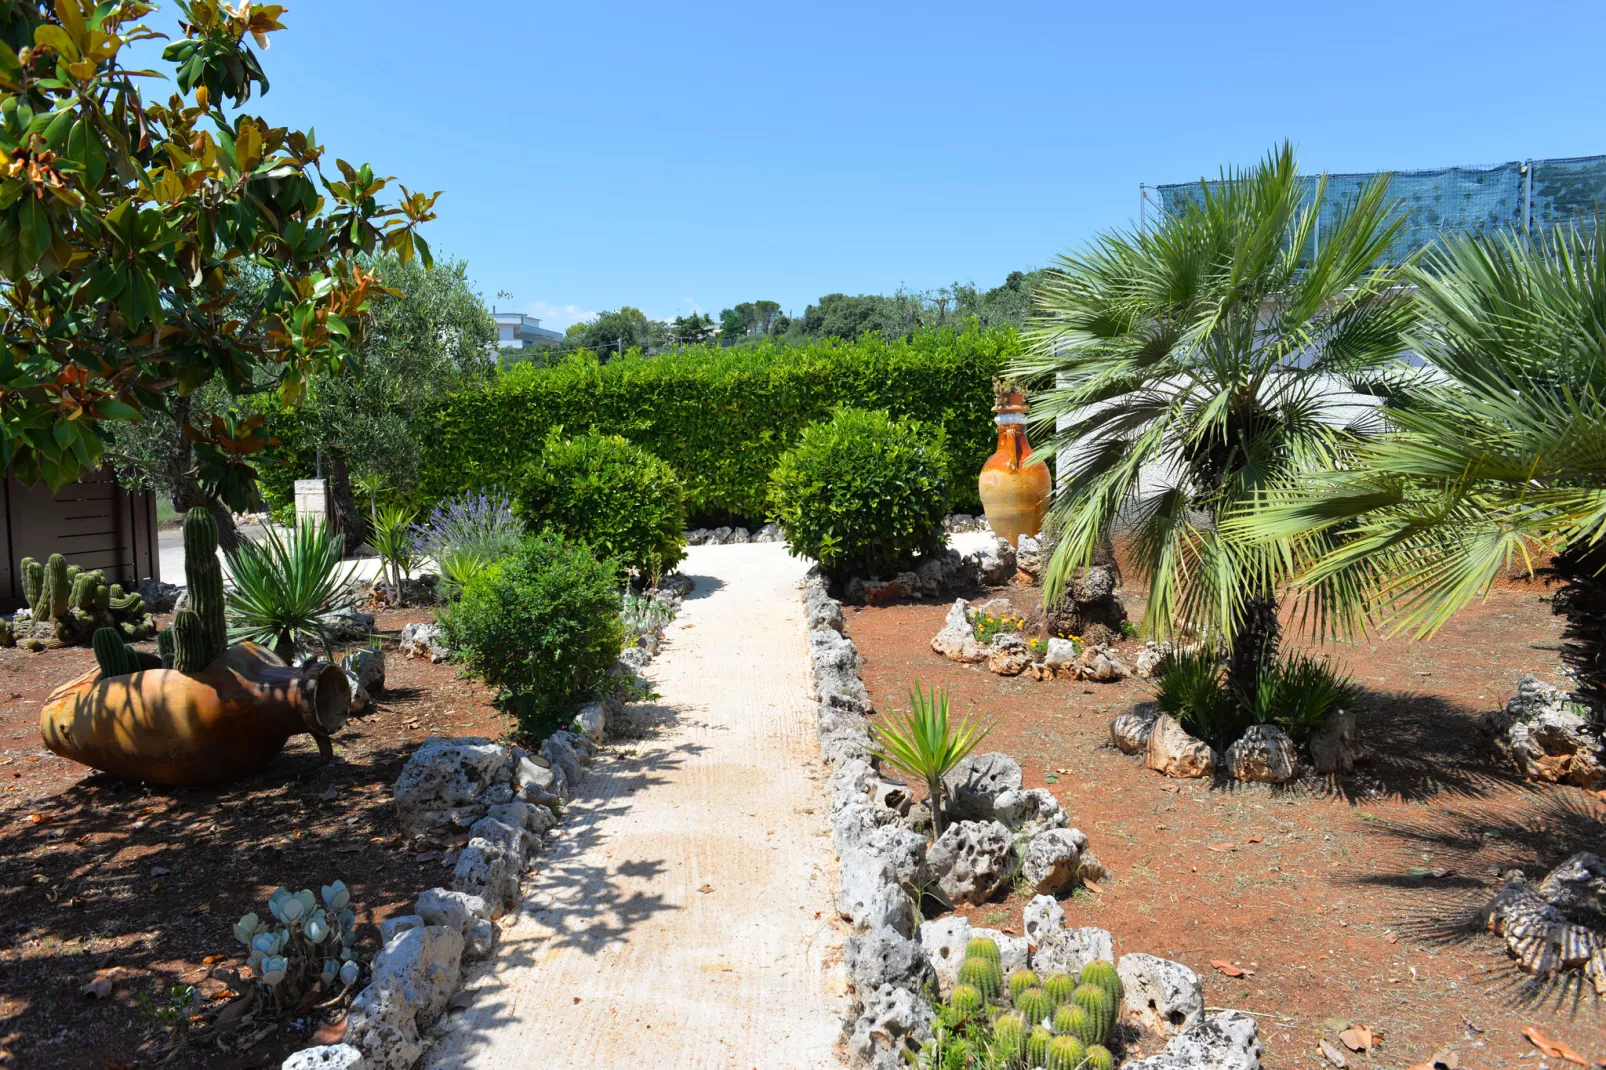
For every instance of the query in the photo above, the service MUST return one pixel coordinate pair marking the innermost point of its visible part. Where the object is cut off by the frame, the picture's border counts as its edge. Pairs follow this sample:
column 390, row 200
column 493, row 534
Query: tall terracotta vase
column 1014, row 494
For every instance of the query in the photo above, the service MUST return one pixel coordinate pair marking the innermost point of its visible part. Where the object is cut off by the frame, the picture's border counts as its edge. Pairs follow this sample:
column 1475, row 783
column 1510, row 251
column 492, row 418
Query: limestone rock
column 446, row 781
column 413, row 976
column 1041, row 918
column 1061, row 660
column 391, row 926
column 995, row 565
column 1226, row 1041
column 883, row 957
column 1103, row 665
column 957, row 640
column 325, row 1057
column 902, row 849
column 1029, row 810
column 943, row 942
column 1009, row 655
column 485, row 869
column 1162, row 996
column 1172, row 751
column 1542, row 735
column 1130, row 730
column 823, row 611
column 972, row 860
column 1052, row 860
column 368, row 666
column 467, row 914
column 862, row 877
column 1263, row 754
column 424, row 641
column 973, row 786
column 1147, row 662
column 1068, row 950
column 894, row 1020
column 834, row 664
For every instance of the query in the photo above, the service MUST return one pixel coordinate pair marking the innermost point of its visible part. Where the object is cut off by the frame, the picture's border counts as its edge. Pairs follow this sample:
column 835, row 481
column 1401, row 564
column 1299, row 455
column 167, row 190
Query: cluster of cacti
column 1060, row 1022
column 308, row 951
column 199, row 634
column 115, row 657
column 69, row 605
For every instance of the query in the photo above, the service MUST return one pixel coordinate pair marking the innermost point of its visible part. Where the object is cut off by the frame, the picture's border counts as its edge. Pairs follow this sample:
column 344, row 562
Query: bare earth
column 678, row 921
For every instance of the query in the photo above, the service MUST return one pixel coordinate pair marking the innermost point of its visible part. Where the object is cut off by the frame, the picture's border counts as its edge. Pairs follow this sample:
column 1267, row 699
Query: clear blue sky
column 689, row 156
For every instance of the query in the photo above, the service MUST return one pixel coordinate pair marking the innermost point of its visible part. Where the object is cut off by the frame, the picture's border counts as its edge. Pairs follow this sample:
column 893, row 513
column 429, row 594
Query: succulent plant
column 273, row 970
column 336, row 895
column 246, row 928
column 1020, row 979
column 1009, row 1035
column 983, row 973
column 349, row 971
column 114, row 657
column 1037, row 1045
column 33, row 584
column 203, row 574
column 1035, row 1004
column 966, row 1000
column 189, row 642
column 1100, row 1011
column 7, row 636
column 310, row 948
column 1102, row 973
column 56, row 593
column 1059, row 987
column 983, row 947
column 1071, row 1019
column 1065, row 1053
column 1099, row 1058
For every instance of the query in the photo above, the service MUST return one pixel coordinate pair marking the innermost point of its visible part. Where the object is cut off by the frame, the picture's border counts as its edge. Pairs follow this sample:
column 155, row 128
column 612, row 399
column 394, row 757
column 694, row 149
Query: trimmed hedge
column 723, row 417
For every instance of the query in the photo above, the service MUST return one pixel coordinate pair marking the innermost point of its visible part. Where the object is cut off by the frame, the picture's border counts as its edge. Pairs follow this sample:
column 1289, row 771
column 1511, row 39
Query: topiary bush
column 862, row 493
column 542, row 627
column 606, row 491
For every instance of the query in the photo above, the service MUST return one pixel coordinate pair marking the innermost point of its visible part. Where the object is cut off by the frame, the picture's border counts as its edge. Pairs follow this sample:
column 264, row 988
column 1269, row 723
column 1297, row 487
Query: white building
column 515, row 330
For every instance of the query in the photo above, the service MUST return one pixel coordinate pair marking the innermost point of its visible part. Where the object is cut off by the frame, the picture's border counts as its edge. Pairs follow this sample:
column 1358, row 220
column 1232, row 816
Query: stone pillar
column 313, row 501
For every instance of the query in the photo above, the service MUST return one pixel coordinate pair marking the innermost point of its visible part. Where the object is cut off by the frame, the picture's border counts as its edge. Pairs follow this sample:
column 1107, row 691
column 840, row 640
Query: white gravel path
column 682, row 918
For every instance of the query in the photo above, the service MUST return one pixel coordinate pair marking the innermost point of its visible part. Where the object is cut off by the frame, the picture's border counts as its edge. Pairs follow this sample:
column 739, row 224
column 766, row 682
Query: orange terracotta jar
column 1014, row 494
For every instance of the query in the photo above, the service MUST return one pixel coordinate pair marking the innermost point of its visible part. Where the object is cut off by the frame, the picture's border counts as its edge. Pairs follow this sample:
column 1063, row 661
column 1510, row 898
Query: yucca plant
column 392, row 536
column 459, row 566
column 926, row 745
column 285, row 588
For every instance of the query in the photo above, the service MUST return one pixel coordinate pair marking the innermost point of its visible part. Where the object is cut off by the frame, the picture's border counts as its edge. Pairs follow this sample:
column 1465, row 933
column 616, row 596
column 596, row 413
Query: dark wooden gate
column 93, row 523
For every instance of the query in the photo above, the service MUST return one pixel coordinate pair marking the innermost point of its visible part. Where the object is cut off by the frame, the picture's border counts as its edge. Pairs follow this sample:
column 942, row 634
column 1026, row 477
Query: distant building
column 515, row 330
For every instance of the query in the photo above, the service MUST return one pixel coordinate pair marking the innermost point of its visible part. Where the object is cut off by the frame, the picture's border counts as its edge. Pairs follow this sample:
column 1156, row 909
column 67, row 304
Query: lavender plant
column 480, row 524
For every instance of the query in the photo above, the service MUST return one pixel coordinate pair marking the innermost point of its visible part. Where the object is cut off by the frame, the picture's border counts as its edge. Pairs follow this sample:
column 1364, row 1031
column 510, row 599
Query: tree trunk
column 1581, row 601
column 187, row 490
column 353, row 525
column 1256, row 634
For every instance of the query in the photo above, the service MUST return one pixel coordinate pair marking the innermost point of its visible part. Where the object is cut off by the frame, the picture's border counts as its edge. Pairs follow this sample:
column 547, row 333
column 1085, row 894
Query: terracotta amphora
column 1015, row 494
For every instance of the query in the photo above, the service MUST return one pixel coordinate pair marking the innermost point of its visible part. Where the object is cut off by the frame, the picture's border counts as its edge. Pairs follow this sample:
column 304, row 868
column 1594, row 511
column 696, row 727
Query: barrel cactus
column 1059, row 987
column 1065, row 1053
column 1037, row 1045
column 1099, row 1058
column 1020, row 979
column 1102, row 973
column 983, row 947
column 204, row 576
column 1009, row 1035
column 1071, row 1020
column 985, row 974
column 56, row 594
column 966, row 1000
column 114, row 657
column 1035, row 1004
column 1100, row 1011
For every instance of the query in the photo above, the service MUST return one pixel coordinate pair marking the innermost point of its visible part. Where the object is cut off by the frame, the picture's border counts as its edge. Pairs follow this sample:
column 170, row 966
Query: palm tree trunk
column 1582, row 602
column 1256, row 635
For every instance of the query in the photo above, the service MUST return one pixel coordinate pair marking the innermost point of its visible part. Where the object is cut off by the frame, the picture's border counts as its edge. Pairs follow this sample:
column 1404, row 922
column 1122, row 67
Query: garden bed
column 103, row 877
column 1342, row 902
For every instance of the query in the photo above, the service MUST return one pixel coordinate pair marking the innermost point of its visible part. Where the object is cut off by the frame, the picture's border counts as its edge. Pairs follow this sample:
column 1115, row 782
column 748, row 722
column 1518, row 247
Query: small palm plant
column 926, row 745
column 285, row 588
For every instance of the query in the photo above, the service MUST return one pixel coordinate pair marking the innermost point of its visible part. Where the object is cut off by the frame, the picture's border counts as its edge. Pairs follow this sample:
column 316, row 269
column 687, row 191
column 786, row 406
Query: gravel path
column 677, row 919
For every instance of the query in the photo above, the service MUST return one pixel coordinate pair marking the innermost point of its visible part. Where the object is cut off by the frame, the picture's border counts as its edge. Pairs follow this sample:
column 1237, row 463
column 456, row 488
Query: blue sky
column 686, row 157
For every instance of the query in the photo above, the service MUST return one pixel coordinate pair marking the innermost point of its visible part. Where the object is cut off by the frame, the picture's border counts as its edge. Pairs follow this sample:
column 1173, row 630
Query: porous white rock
column 893, row 1020
column 1029, row 810
column 974, row 785
column 1162, row 996
column 1041, row 917
column 1263, row 754
column 1226, row 1041
column 943, row 942
column 325, row 1057
column 1172, row 751
column 956, row 641
column 446, row 783
column 1068, row 950
column 1052, row 860
column 971, row 860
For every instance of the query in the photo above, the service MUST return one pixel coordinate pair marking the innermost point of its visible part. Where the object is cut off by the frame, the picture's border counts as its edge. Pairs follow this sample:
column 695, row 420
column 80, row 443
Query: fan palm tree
column 1191, row 366
column 1499, row 450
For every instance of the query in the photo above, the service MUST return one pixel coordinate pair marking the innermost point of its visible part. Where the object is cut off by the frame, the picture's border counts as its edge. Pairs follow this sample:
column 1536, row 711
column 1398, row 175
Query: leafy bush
column 482, row 522
column 1190, row 686
column 286, row 588
column 862, row 493
column 605, row 491
column 722, row 417
column 542, row 627
column 459, row 566
column 1295, row 692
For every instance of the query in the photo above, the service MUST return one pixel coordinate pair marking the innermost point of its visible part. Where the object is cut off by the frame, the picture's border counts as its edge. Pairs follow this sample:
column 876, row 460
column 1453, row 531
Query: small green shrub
column 606, row 491
column 542, row 627
column 863, row 493
column 1191, row 686
column 986, row 627
column 1295, row 692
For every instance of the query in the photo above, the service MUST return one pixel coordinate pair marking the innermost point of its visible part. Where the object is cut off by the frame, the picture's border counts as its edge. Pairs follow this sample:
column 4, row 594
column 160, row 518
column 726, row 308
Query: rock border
column 508, row 800
column 895, row 968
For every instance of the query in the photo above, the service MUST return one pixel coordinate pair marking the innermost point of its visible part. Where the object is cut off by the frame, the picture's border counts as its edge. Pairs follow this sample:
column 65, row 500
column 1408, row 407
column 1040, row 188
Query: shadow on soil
column 1469, row 849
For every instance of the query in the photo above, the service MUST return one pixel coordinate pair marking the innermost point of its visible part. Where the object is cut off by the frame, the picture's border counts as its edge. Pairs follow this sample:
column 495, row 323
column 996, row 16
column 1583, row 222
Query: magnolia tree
column 126, row 220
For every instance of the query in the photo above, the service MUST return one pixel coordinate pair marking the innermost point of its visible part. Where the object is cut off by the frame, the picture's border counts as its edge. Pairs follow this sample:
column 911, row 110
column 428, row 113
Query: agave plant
column 285, row 589
column 926, row 745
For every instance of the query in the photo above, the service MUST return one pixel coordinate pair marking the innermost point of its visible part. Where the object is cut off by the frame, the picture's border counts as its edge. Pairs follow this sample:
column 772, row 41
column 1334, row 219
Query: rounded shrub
column 542, row 627
column 606, row 491
column 862, row 493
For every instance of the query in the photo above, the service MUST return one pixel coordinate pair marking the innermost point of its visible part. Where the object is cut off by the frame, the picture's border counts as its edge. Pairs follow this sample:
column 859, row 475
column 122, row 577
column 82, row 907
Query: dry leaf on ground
column 1553, row 1048
column 1222, row 847
column 1359, row 1038
column 1230, row 970
column 1333, row 1055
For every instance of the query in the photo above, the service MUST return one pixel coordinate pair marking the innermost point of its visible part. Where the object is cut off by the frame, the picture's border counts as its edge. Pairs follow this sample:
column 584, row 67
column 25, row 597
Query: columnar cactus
column 191, row 652
column 7, row 636
column 57, row 593
column 1037, row 1045
column 1020, row 979
column 1100, row 1011
column 114, row 657
column 1009, row 1035
column 165, row 648
column 204, row 576
column 1102, row 973
column 33, row 583
column 1072, row 1020
column 1059, row 987
column 1035, row 1004
column 983, row 947
column 1099, row 1058
column 983, row 973
column 966, row 1000
column 1065, row 1053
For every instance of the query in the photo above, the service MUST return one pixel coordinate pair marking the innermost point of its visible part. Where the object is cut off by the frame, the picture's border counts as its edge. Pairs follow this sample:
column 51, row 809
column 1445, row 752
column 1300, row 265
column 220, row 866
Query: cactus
column 33, row 583
column 164, row 647
column 1065, row 1053
column 125, row 603
column 1020, row 979
column 57, row 593
column 1099, row 1058
column 1059, row 987
column 103, row 598
column 204, row 576
column 7, row 636
column 72, row 573
column 1037, row 1045
column 983, row 947
column 114, row 657
column 1072, row 1020
column 1102, row 973
column 984, row 974
column 966, row 1000
column 190, row 650
column 1035, row 1004
column 1009, row 1035
column 1100, row 1011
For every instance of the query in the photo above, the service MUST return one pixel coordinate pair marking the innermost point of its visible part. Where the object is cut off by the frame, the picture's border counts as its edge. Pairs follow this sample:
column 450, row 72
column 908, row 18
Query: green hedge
column 722, row 417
